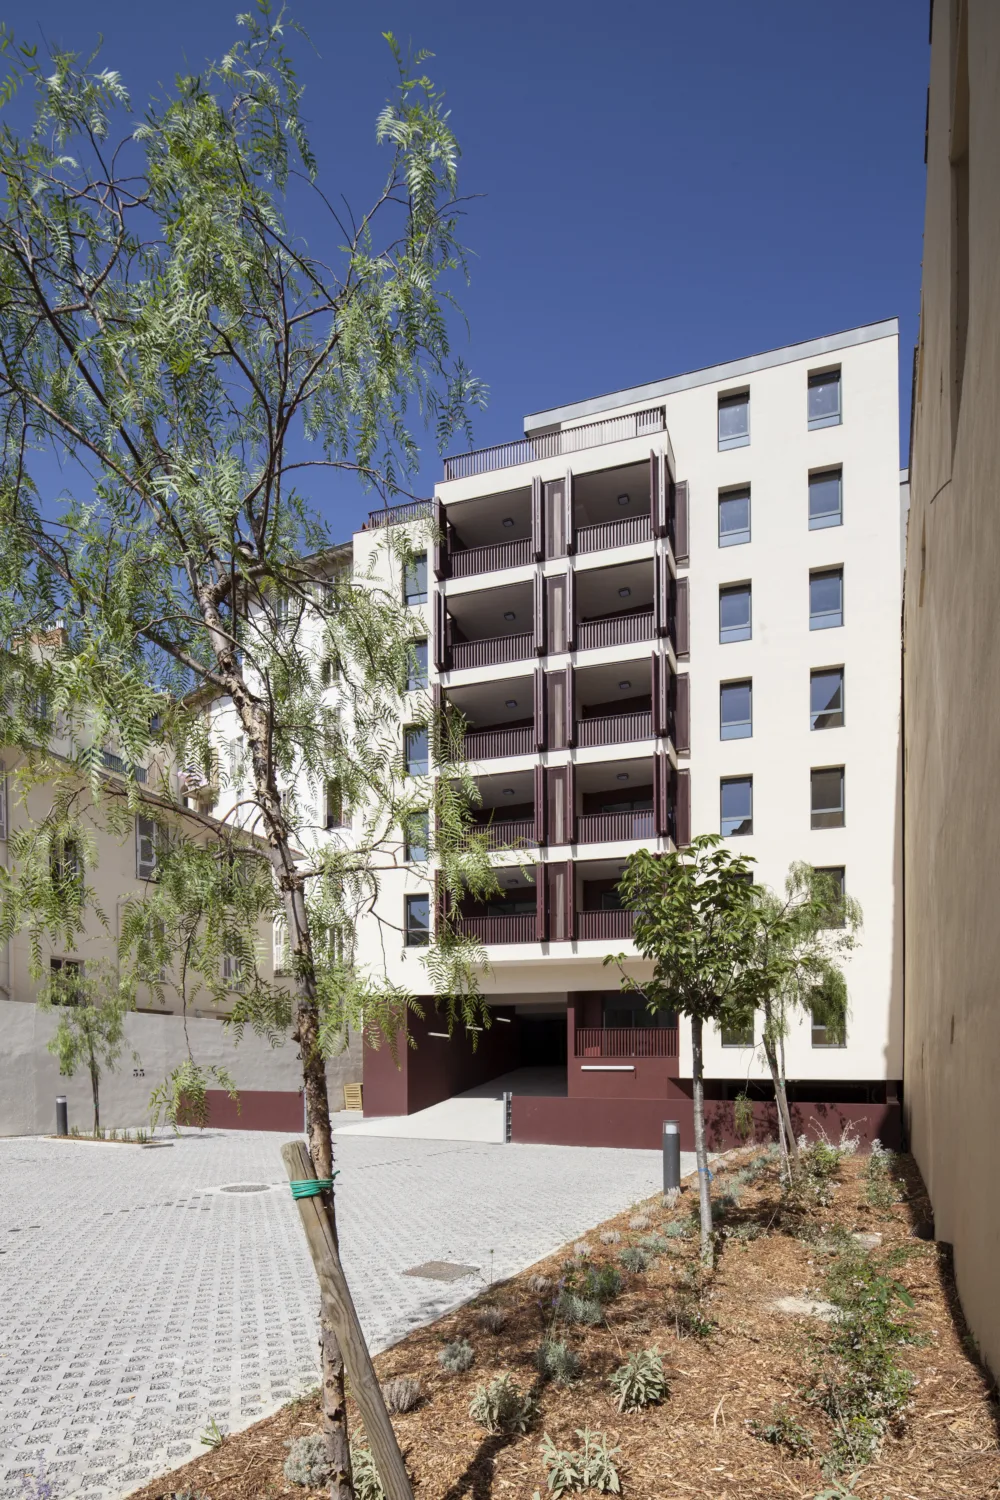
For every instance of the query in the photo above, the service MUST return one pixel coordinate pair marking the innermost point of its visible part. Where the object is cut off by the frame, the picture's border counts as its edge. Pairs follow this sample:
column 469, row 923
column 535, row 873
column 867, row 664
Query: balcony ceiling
column 482, row 615
column 602, row 684
column 493, row 789
column 479, row 522
column 604, row 777
column 485, row 703
column 595, row 496
column 598, row 590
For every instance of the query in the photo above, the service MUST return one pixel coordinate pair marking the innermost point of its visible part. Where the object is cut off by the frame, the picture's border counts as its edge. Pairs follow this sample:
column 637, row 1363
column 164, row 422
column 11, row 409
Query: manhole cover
column 442, row 1270
column 246, row 1187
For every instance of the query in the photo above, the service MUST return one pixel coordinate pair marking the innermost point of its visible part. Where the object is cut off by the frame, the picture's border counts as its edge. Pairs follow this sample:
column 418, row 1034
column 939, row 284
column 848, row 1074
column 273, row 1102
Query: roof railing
column 552, row 444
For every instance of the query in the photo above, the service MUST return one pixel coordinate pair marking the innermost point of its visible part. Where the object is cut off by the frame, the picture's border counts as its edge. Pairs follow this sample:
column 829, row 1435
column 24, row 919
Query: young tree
column 693, row 920
column 800, row 940
column 167, row 334
column 90, row 1031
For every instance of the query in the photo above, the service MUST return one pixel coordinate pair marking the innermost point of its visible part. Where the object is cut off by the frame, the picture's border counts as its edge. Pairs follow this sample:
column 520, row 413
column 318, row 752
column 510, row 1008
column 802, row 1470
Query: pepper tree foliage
column 197, row 371
column 90, row 1027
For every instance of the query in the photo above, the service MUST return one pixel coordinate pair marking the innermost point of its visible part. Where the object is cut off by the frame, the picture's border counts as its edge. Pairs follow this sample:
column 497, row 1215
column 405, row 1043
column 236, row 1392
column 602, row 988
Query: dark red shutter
column 540, row 819
column 440, row 544
column 655, row 667
column 440, row 631
column 569, row 785
column 570, row 918
column 537, row 520
column 554, row 494
column 570, row 708
column 541, row 904
column 539, row 614
column 439, row 902
column 570, row 528
column 662, row 580
column 556, row 902
column 539, row 706
column 679, row 537
column 570, row 610
column 663, row 686
column 681, row 728
column 661, row 794
column 682, row 623
column 555, row 776
column 682, row 809
column 655, row 498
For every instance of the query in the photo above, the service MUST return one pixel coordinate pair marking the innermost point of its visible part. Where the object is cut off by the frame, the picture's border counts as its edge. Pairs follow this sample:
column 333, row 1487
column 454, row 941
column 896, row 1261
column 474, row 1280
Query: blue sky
column 664, row 185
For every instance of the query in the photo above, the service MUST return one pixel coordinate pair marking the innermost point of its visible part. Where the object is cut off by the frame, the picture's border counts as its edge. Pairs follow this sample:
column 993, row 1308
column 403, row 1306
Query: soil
column 95, row 1140
column 748, row 1359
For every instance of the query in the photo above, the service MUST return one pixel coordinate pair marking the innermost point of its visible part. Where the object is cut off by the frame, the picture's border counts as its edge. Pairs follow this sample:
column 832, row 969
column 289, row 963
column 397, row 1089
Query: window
column 826, row 599
column 827, row 792
column 734, row 613
column 834, row 880
column 829, row 1023
column 329, row 672
column 737, row 806
column 279, row 946
column 145, row 848
column 417, row 837
column 65, row 975
column 417, row 673
column 734, row 420
column 824, row 399
column 417, row 758
column 65, row 864
column 280, row 603
column 232, row 968
column 334, row 805
column 418, row 921
column 735, row 710
column 632, row 1011
column 734, row 517
column 826, row 499
column 740, row 1035
column 415, row 580
column 826, row 698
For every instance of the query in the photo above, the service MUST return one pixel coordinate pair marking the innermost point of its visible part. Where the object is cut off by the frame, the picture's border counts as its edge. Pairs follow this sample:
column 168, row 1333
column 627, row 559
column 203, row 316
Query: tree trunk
column 95, row 1083
column 789, row 1146
column 704, row 1186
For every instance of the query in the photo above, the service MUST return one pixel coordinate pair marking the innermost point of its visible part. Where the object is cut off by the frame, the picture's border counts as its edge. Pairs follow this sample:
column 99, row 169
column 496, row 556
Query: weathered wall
column 30, row 1080
column 952, row 670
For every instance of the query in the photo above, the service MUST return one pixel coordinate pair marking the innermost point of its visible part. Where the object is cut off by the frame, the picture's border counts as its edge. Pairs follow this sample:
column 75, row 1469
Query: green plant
column 640, row 1381
column 676, row 1229
column 690, row 1321
column 401, row 1394
column 573, row 1308
column 782, row 1431
column 743, row 1116
column 590, row 1467
column 91, row 1007
column 457, row 1357
column 502, row 1407
column 556, row 1361
column 188, row 1495
column 491, row 1319
column 307, row 1463
column 749, row 1230
column 654, row 1243
column 601, row 1283
column 611, row 1236
column 880, row 1187
column 634, row 1258
column 640, row 1221
column 367, row 1484
column 213, row 1436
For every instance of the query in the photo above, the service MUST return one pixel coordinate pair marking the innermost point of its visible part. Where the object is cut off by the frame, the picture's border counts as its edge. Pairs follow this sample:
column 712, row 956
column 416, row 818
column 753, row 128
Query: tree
column 693, row 921
column 196, row 368
column 799, row 942
column 90, row 1031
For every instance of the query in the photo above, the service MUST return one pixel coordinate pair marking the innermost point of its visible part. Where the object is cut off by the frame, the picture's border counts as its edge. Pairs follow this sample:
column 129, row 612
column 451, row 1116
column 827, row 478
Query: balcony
column 604, row 926
column 610, row 827
column 490, row 626
column 492, row 558
column 614, row 605
column 493, row 651
column 509, row 833
column 626, row 1041
column 511, row 927
column 554, row 444
column 491, row 744
column 623, row 531
column 615, row 729
column 398, row 515
column 119, row 767
column 615, row 630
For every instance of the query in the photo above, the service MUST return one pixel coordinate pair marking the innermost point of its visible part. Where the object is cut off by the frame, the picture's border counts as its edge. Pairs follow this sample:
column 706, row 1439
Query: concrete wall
column 952, row 673
column 30, row 1079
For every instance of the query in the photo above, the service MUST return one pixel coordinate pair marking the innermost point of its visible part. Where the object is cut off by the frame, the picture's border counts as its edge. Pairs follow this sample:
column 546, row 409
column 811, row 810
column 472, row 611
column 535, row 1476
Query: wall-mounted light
column 508, row 791
column 511, row 703
column 625, row 684
column 509, row 615
column 508, row 520
column 624, row 593
column 622, row 499
column 623, row 776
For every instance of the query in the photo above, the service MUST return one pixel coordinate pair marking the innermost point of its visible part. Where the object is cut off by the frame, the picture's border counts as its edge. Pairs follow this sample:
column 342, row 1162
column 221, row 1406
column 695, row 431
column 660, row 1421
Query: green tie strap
column 309, row 1187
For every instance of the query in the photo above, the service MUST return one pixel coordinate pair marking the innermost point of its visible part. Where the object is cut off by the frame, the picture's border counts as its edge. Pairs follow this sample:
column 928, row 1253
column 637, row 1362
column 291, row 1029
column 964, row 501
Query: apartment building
column 669, row 610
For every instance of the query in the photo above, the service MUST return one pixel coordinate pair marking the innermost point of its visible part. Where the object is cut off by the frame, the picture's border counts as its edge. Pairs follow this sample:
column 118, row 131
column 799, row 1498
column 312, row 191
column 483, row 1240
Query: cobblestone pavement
column 140, row 1302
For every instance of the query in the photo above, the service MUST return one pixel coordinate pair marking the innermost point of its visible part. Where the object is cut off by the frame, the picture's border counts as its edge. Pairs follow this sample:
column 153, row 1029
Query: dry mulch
column 697, row 1443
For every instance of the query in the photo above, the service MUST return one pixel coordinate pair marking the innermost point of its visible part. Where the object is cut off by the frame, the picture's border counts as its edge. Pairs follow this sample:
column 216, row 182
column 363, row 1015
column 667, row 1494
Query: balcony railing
column 621, row 532
column 510, row 834
column 490, row 744
column 605, row 828
column 491, row 559
column 614, row 630
column 552, row 444
column 519, row 927
column 492, row 652
column 121, row 767
column 615, row 729
column 626, row 1041
column 605, row 925
column 395, row 515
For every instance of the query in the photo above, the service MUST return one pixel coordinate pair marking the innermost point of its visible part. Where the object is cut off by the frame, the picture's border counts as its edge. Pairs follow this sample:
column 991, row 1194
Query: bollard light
column 62, row 1115
column 671, row 1156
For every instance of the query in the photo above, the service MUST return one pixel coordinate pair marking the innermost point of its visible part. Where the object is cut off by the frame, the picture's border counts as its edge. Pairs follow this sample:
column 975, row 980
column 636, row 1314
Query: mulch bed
column 697, row 1443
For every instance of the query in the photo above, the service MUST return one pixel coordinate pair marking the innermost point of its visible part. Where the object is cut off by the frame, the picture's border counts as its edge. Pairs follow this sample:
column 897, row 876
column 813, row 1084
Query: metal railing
column 614, row 630
column 605, row 828
column 493, row 651
column 121, row 767
column 621, row 532
column 552, row 444
column 615, row 729
column 491, row 559
column 510, row 834
column 626, row 1041
column 490, row 744
column 519, row 927
column 604, row 924
column 395, row 515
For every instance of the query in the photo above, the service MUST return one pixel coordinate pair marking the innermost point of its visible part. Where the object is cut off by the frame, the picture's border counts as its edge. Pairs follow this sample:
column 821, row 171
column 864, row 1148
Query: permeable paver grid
column 141, row 1302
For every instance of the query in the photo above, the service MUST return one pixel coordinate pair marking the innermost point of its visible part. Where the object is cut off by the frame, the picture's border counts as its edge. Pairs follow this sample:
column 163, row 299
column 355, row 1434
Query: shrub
column 573, row 1308
column 747, row 1231
column 491, row 1319
column 671, row 1198
column 880, row 1189
column 610, row 1236
column 367, row 1484
column 676, row 1229
column 556, row 1361
column 689, row 1320
column 539, row 1284
column 590, row 1467
column 502, row 1407
column 634, row 1258
column 581, row 1248
column 654, row 1243
column 401, row 1394
column 602, row 1283
column 640, row 1221
column 457, row 1357
column 782, row 1432
column 640, row 1381
column 188, row 1495
column 307, row 1463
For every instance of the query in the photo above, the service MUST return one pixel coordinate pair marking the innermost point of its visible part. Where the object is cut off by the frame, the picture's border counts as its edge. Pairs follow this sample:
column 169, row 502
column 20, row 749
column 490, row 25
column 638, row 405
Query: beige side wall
column 952, row 686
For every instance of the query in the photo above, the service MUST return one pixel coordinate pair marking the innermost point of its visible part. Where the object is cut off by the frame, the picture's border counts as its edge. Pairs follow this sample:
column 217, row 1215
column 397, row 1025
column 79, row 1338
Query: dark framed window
column 827, row 797
column 66, row 863
column 826, row 599
column 736, row 710
column 417, row 672
column 823, row 400
column 834, row 877
column 417, row 917
column 734, row 420
column 826, row 698
column 737, row 1036
column 65, row 976
column 417, row 836
column 329, row 672
column 334, row 805
column 417, row 753
column 734, row 517
column 736, row 806
column 630, row 1011
column 734, row 613
column 829, row 1025
column 415, row 580
column 826, row 499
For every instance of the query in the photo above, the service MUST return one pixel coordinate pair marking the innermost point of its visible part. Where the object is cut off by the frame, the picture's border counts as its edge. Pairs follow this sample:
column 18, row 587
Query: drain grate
column 246, row 1187
column 442, row 1270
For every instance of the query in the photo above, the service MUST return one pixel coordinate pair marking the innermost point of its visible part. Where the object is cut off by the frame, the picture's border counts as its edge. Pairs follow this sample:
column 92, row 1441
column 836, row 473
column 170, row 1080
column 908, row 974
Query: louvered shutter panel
column 538, row 706
column 682, row 809
column 440, row 557
column 656, row 494
column 555, row 518
column 681, row 728
column 556, row 877
column 655, row 668
column 570, row 708
column 440, row 904
column 541, row 904
column 568, row 523
column 663, row 686
column 554, row 778
column 679, row 538
column 3, row 800
column 537, row 520
column 440, row 631
column 145, row 848
column 663, row 584
column 569, row 791
column 570, row 597
column 570, row 894
column 682, row 628
column 661, row 794
column 540, row 819
column 539, row 608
